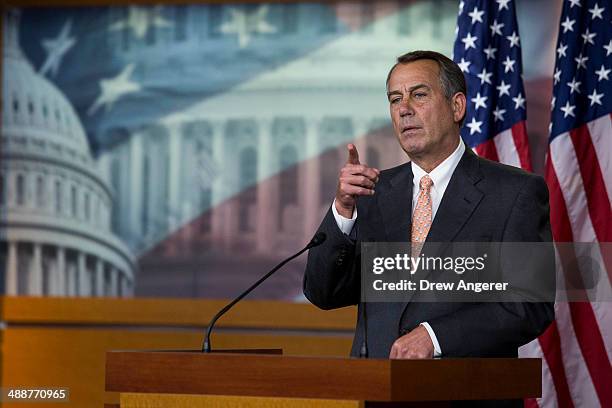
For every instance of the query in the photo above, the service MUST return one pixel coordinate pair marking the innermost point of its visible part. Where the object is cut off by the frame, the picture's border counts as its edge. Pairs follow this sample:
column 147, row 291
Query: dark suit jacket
column 484, row 201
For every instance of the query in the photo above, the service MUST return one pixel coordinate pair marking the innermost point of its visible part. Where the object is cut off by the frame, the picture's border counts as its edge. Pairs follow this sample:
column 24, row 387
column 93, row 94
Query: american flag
column 577, row 348
column 488, row 50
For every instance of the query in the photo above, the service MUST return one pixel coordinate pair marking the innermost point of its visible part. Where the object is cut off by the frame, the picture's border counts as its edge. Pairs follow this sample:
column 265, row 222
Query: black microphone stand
column 315, row 241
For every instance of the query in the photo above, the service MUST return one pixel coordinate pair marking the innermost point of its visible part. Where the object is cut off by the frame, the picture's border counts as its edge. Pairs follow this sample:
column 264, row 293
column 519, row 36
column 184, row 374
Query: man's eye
column 395, row 100
column 420, row 95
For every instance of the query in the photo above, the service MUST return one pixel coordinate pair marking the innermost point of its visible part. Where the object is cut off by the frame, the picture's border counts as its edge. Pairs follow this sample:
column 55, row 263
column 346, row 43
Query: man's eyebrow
column 393, row 93
column 412, row 88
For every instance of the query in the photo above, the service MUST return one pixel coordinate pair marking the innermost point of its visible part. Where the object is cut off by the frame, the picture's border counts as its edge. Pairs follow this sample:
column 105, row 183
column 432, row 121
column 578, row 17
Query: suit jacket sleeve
column 332, row 278
column 486, row 327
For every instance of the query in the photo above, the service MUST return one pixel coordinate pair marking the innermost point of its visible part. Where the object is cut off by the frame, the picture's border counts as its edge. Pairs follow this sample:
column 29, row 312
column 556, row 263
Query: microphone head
column 317, row 240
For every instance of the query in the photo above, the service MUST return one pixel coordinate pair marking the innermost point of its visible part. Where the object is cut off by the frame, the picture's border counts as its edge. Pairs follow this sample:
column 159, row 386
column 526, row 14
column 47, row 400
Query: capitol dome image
column 55, row 228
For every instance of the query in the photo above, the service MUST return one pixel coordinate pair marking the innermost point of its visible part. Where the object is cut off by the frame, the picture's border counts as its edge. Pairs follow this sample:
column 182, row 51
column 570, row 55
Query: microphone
column 317, row 240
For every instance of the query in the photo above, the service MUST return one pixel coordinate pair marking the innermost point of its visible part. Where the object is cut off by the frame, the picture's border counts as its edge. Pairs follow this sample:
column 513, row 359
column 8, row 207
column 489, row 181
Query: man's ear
column 458, row 103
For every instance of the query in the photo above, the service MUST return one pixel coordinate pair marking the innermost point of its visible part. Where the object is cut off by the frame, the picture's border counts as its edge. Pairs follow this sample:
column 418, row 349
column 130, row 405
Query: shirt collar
column 442, row 173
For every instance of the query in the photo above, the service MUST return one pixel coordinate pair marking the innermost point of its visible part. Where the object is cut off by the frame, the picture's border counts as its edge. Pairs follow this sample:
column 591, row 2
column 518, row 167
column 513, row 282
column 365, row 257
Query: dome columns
column 59, row 271
column 11, row 270
column 227, row 142
column 99, row 289
column 174, row 169
column 312, row 169
column 265, row 194
column 35, row 275
column 59, row 277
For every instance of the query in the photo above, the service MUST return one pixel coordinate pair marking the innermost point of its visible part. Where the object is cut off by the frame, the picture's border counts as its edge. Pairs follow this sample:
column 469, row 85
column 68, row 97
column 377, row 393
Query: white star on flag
column 56, row 49
column 504, row 89
column 140, row 19
column 496, row 28
column 608, row 48
column 499, row 114
column 588, row 36
column 503, row 4
column 115, row 88
column 490, row 51
column 245, row 24
column 581, row 61
column 574, row 86
column 568, row 25
column 476, row 15
column 519, row 101
column 485, row 77
column 602, row 73
column 557, row 76
column 508, row 64
column 575, row 3
column 469, row 41
column 474, row 126
column 595, row 98
column 464, row 65
column 596, row 12
column 479, row 101
column 561, row 50
column 568, row 110
column 514, row 39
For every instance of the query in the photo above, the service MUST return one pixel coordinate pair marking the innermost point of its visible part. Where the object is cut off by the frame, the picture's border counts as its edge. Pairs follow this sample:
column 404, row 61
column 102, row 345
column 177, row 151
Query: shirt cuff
column 434, row 339
column 345, row 224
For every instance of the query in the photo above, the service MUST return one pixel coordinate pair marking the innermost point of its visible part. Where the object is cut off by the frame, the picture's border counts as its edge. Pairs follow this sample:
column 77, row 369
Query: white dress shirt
column 440, row 176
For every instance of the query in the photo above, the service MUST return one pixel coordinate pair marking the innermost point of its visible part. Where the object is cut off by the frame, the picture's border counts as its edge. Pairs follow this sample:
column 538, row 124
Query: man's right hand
column 355, row 179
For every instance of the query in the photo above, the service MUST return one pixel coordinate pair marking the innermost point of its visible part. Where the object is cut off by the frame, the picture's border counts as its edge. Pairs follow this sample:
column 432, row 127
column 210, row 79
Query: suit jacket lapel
column 459, row 201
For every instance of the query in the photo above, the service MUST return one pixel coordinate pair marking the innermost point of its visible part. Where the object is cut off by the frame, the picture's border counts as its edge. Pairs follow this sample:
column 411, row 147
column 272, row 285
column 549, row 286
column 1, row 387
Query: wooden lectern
column 195, row 379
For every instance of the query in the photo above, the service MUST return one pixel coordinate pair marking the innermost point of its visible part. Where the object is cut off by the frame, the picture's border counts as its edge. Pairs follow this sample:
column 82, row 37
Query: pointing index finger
column 353, row 157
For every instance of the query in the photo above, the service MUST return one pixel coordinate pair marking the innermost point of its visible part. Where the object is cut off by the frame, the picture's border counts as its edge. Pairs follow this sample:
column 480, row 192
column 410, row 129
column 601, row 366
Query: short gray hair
column 451, row 76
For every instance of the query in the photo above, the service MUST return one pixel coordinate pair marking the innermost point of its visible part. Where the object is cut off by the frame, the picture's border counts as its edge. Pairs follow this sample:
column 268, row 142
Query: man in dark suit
column 444, row 194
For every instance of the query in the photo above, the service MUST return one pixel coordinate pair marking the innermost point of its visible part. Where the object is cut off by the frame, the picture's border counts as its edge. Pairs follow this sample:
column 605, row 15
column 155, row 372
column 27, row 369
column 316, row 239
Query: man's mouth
column 410, row 129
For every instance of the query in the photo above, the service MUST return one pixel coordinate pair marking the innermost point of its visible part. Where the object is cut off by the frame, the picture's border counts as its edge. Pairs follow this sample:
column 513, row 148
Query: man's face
column 425, row 122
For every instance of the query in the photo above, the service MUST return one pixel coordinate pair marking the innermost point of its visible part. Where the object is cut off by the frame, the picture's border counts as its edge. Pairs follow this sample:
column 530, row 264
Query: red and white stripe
column 577, row 348
column 509, row 147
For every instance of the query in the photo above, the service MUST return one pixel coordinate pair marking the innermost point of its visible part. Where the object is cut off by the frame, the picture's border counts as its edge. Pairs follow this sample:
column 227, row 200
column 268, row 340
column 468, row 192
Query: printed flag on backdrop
column 577, row 348
column 488, row 50
column 204, row 120
column 126, row 67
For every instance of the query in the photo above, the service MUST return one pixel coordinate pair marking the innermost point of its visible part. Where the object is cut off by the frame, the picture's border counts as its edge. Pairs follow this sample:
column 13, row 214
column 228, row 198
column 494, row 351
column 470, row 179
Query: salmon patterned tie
column 421, row 219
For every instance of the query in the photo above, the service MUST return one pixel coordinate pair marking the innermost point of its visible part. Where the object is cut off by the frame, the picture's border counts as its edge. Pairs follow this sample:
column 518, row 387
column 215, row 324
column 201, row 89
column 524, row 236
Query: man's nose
column 405, row 108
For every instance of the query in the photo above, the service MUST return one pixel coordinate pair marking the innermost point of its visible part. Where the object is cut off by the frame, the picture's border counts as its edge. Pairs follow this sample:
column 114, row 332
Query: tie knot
column 426, row 183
